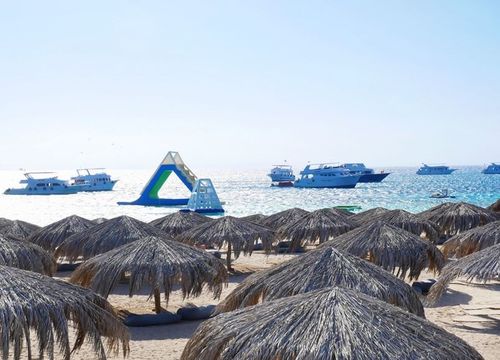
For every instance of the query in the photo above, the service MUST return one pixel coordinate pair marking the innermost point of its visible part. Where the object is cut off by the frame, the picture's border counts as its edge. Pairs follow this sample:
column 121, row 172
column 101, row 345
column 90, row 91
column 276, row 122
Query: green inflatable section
column 156, row 187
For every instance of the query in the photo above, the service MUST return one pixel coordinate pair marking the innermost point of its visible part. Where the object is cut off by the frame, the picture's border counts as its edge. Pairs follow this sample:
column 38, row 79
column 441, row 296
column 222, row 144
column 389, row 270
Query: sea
column 249, row 192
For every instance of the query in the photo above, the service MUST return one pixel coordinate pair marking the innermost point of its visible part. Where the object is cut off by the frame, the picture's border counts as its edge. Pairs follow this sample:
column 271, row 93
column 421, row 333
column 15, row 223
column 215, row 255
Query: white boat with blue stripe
column 328, row 175
column 93, row 179
column 35, row 185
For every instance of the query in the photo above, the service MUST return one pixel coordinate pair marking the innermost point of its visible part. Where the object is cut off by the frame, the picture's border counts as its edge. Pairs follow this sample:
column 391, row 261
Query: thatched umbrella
column 106, row 236
column 392, row 248
column 480, row 266
column 285, row 217
column 453, row 218
column 495, row 206
column 176, row 223
column 19, row 229
column 158, row 262
column 239, row 235
column 99, row 220
column 367, row 216
column 319, row 269
column 321, row 225
column 409, row 222
column 34, row 304
column 333, row 323
column 51, row 236
column 472, row 240
column 255, row 218
column 25, row 255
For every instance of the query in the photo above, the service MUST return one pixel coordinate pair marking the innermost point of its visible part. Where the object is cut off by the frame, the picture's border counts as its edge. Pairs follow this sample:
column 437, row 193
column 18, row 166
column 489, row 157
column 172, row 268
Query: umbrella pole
column 157, row 301
column 228, row 257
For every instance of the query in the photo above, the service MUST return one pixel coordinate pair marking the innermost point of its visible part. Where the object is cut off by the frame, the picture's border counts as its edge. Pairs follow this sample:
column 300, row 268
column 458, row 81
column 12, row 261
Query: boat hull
column 108, row 186
column 373, row 178
column 442, row 172
column 340, row 182
column 66, row 191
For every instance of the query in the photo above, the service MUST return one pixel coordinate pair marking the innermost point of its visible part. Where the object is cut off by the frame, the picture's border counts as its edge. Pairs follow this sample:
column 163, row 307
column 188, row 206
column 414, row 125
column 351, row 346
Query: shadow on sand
column 180, row 330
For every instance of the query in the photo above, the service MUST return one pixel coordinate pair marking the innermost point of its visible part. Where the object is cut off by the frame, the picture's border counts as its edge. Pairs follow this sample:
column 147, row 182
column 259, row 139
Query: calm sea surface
column 249, row 192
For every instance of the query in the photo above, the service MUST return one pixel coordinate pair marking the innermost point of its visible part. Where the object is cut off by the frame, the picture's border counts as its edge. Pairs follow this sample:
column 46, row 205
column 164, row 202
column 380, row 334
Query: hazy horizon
column 118, row 84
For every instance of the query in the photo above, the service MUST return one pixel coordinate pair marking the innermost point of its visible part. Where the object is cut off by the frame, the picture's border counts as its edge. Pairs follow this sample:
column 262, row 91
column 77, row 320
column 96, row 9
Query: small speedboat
column 91, row 180
column 442, row 194
column 42, row 186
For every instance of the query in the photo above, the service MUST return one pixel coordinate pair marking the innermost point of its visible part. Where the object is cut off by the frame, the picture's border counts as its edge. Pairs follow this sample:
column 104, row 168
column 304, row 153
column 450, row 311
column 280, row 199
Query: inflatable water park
column 203, row 199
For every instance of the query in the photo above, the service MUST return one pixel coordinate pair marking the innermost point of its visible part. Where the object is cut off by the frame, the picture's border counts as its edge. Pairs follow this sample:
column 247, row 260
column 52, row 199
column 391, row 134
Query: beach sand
column 472, row 312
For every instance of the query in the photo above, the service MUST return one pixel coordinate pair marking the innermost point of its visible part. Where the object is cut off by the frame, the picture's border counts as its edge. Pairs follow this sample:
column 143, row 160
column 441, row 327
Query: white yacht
column 93, row 179
column 367, row 175
column 434, row 170
column 492, row 169
column 282, row 175
column 43, row 185
column 326, row 176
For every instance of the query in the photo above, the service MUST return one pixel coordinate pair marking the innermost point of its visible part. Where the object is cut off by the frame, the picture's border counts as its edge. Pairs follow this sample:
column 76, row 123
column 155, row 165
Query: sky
column 233, row 84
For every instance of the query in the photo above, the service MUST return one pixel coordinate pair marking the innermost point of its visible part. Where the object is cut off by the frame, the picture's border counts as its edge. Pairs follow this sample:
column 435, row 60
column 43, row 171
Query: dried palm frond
column 472, row 240
column 285, row 217
column 255, row 218
column 239, row 236
column 99, row 220
column 179, row 222
column 367, row 216
column 25, row 255
column 157, row 262
column 51, row 236
column 318, row 269
column 104, row 237
column 333, row 323
column 480, row 266
column 453, row 218
column 320, row 225
column 32, row 304
column 19, row 229
column 392, row 248
column 495, row 206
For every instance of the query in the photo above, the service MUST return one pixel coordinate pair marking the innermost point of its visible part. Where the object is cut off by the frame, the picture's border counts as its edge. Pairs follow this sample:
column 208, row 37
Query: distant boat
column 282, row 175
column 89, row 180
column 326, row 176
column 492, row 169
column 367, row 175
column 435, row 170
column 442, row 194
column 43, row 186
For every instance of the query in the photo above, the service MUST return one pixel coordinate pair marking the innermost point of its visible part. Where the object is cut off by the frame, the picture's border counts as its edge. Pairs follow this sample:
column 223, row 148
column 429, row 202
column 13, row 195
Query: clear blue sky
column 248, row 84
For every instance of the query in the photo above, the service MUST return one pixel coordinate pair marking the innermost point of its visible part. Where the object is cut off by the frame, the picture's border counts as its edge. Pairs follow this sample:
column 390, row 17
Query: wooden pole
column 157, row 301
column 228, row 257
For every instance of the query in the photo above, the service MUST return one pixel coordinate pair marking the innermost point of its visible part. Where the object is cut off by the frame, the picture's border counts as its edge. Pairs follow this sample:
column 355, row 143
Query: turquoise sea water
column 249, row 192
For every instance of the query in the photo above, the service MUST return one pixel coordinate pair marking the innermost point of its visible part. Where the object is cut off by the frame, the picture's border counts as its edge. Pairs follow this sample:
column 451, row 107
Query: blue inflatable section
column 172, row 164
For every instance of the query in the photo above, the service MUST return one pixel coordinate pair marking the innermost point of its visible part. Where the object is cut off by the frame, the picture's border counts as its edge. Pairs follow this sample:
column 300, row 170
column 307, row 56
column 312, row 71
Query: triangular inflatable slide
column 172, row 163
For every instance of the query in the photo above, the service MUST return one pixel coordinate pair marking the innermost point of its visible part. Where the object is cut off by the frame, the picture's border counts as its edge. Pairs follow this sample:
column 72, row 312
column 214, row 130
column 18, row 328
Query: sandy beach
column 469, row 311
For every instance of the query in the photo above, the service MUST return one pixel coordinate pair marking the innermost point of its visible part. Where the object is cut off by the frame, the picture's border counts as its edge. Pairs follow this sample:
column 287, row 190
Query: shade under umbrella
column 239, row 236
column 104, row 237
column 367, row 216
column 255, row 218
column 51, row 236
column 19, row 229
column 320, row 225
column 176, row 223
column 495, row 206
column 480, row 266
column 334, row 323
column 472, row 240
column 285, row 217
column 34, row 304
column 157, row 262
column 409, row 222
column 453, row 218
column 25, row 255
column 318, row 269
column 392, row 248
